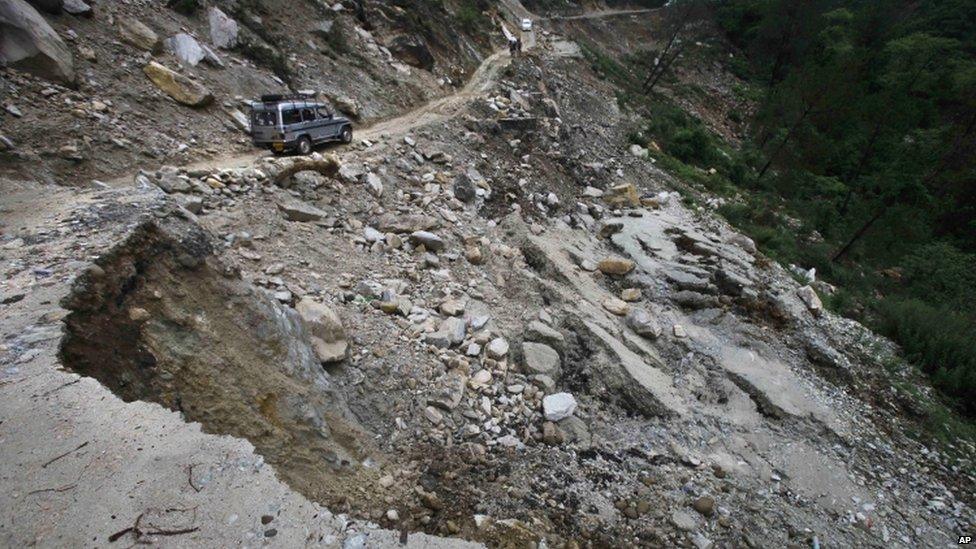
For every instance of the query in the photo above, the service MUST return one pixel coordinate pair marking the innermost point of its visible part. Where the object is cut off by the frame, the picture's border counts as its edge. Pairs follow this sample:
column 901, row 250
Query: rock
column 731, row 283
column 464, row 188
column 539, row 358
column 375, row 184
column 433, row 415
column 624, row 195
column 452, row 307
column 450, row 390
column 638, row 151
column 28, row 43
column 186, row 49
column 742, row 241
column 430, row 240
column 575, row 430
column 346, row 105
column 328, row 336
column 616, row 266
column 78, row 8
column 631, row 294
column 171, row 181
column 390, row 223
column 135, row 33
column 372, row 235
column 223, row 29
column 809, row 298
column 177, row 86
column 412, row 50
column 704, row 505
column 558, row 406
column 296, row 210
column 643, row 324
column 610, row 228
column 240, row 120
column 616, row 306
column 323, row 29
column 450, row 333
column 694, row 300
column 538, row 332
column 474, row 255
column 482, row 378
column 683, row 521
column 498, row 348
column 679, row 331
column 551, row 434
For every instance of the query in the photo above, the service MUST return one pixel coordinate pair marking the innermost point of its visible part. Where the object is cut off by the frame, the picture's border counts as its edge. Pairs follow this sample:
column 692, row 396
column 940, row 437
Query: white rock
column 498, row 348
column 223, row 29
column 558, row 406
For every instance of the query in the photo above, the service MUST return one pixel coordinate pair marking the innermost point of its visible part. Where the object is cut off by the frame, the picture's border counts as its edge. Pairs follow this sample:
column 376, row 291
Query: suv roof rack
column 279, row 97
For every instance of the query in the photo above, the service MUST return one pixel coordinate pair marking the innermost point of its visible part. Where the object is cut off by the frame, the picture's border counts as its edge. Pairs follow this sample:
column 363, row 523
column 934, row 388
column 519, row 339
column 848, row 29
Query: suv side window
column 308, row 115
column 291, row 116
column 324, row 113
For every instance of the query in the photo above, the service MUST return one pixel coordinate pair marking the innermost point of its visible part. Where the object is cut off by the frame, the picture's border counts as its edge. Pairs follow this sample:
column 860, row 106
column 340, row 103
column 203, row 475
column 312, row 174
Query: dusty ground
column 732, row 415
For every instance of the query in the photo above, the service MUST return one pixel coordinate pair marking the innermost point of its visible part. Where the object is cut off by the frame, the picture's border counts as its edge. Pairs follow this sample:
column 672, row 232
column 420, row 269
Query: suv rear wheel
column 304, row 145
column 347, row 135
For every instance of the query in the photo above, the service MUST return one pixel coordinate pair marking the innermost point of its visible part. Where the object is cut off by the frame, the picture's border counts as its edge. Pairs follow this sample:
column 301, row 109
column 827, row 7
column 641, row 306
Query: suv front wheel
column 346, row 135
column 304, row 145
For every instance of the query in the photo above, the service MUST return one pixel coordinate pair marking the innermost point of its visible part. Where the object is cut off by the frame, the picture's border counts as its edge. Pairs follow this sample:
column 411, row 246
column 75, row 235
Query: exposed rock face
column 328, row 336
column 28, row 43
column 177, row 86
column 413, row 51
column 249, row 371
column 223, row 29
column 139, row 35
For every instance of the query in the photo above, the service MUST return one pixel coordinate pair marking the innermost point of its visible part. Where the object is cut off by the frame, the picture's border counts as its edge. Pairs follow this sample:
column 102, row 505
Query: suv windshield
column 265, row 118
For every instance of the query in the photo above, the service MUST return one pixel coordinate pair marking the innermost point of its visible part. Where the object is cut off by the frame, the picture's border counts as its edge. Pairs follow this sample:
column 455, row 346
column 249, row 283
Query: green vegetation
column 858, row 158
column 866, row 133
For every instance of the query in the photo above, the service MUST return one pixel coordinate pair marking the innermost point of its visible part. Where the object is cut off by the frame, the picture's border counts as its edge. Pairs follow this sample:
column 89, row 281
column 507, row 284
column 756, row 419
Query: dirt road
column 438, row 110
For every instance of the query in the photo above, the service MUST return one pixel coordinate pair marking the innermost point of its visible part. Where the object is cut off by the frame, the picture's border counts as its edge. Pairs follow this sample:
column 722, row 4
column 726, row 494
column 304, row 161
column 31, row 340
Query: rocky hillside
column 93, row 89
column 491, row 321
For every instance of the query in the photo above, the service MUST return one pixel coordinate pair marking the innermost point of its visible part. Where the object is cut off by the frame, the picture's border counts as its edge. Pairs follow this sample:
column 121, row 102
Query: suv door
column 291, row 123
column 330, row 126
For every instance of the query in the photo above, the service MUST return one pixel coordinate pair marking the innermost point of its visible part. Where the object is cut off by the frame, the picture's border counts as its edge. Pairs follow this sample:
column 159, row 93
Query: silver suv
column 283, row 123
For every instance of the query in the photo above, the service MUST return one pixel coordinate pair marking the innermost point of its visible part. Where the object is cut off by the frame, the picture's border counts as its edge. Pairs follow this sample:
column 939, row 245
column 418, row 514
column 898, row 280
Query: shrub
column 941, row 341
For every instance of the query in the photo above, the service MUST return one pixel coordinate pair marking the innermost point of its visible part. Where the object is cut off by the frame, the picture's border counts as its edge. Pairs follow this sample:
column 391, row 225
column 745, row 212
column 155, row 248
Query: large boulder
column 412, row 50
column 137, row 34
column 188, row 51
column 28, row 43
column 223, row 29
column 185, row 48
column 328, row 336
column 177, row 86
